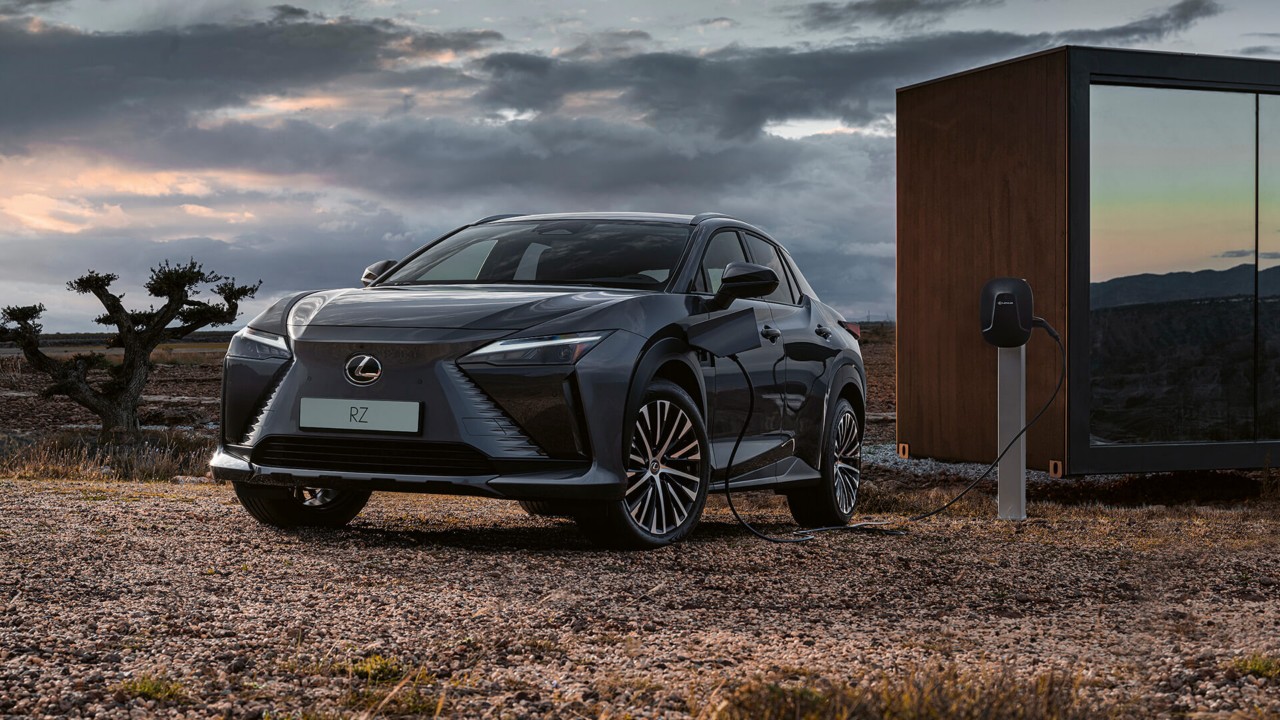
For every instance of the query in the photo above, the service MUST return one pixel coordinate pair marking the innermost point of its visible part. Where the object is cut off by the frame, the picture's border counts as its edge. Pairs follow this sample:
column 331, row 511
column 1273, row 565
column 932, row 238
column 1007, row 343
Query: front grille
column 371, row 456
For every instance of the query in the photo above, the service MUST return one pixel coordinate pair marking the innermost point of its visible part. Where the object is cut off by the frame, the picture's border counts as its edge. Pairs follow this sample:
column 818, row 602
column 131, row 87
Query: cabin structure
column 1139, row 194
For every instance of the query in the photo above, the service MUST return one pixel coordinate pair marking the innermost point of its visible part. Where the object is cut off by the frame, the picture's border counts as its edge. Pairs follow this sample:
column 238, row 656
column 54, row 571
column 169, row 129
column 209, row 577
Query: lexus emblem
column 363, row 369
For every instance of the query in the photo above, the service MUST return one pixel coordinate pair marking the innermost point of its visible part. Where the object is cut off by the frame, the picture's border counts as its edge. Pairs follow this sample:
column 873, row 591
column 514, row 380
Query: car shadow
column 553, row 537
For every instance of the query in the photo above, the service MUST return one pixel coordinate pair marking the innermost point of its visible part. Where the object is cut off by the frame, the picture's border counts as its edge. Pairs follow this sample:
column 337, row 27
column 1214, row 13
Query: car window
column 463, row 264
column 723, row 249
column 802, row 286
column 632, row 254
column 764, row 253
column 528, row 267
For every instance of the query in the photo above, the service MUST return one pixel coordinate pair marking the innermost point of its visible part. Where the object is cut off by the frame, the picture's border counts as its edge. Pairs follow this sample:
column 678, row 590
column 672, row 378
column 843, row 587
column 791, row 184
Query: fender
column 842, row 377
column 665, row 347
column 273, row 319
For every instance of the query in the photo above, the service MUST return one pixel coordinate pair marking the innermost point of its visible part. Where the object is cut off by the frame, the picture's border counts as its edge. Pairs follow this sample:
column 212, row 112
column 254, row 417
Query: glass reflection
column 1172, row 265
column 1269, row 267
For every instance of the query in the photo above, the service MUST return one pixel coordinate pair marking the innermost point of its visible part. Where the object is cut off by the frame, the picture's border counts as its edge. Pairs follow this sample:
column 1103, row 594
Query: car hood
column 481, row 307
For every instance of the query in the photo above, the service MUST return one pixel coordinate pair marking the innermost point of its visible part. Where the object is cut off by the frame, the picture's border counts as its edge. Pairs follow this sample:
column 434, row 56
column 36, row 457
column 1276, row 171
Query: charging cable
column 807, row 535
column 728, row 470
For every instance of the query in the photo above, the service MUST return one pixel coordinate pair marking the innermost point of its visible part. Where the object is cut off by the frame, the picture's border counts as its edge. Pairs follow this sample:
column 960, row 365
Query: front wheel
column 301, row 507
column 668, row 468
column 831, row 502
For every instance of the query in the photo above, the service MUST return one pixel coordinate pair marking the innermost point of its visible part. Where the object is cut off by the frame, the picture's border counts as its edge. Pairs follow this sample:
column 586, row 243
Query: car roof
column 652, row 217
column 715, row 220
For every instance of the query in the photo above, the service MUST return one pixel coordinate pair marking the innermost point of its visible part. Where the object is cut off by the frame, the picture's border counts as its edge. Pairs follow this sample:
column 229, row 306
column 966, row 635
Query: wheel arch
column 849, row 385
column 668, row 358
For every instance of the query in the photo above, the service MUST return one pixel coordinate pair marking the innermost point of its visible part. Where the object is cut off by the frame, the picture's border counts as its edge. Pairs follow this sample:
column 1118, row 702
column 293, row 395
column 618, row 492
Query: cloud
column 8, row 7
column 286, row 13
column 735, row 92
column 60, row 79
column 1154, row 26
column 209, row 213
column 716, row 23
column 33, row 212
column 1248, row 253
column 1260, row 50
column 906, row 14
column 612, row 43
column 415, row 157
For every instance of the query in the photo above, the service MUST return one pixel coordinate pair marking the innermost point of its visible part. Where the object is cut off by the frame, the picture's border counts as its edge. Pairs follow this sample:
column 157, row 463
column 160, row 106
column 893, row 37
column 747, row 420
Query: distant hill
column 1172, row 287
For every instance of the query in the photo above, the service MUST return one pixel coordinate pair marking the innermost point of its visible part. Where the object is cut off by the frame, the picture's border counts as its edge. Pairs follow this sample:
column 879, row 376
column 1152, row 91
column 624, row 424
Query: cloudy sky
column 298, row 143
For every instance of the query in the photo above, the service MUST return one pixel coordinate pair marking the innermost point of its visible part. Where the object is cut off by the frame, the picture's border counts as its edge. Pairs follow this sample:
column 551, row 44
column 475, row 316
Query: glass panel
column 1172, row 265
column 723, row 249
column 1269, row 268
column 767, row 255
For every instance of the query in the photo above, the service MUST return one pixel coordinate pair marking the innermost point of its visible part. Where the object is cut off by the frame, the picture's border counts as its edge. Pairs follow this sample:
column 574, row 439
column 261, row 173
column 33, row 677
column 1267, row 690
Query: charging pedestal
column 1012, row 416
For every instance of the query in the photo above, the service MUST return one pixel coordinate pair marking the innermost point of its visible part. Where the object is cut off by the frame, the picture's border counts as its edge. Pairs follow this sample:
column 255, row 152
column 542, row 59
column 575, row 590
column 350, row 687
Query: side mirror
column 743, row 280
column 375, row 270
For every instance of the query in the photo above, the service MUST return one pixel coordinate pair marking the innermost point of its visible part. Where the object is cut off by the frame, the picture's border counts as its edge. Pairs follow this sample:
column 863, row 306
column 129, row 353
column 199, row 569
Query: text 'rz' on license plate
column 369, row 415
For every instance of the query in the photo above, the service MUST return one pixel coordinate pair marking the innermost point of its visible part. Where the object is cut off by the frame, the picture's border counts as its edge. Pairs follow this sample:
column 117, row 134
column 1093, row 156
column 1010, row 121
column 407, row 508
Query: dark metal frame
column 1091, row 66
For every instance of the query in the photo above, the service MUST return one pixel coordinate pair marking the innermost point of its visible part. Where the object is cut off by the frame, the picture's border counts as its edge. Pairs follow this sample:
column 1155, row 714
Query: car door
column 728, row 399
column 806, row 342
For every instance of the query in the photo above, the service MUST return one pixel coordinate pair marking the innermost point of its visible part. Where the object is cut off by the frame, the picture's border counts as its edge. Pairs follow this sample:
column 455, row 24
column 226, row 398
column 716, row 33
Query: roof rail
column 703, row 217
column 492, row 218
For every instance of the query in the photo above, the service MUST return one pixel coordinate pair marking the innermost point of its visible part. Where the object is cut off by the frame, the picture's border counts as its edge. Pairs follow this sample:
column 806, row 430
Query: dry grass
column 11, row 367
column 168, row 356
column 160, row 456
column 922, row 693
column 1258, row 665
column 152, row 687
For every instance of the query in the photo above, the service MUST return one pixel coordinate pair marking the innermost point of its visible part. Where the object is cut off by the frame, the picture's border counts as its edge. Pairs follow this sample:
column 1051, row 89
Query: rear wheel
column 301, row 507
column 831, row 502
column 668, row 470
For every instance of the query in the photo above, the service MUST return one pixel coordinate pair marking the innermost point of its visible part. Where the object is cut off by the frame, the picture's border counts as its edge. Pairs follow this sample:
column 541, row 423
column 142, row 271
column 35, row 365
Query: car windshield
column 608, row 253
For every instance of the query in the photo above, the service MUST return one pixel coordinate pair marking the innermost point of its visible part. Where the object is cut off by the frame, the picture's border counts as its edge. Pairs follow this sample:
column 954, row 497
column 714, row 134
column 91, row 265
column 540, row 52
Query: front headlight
column 258, row 345
column 564, row 349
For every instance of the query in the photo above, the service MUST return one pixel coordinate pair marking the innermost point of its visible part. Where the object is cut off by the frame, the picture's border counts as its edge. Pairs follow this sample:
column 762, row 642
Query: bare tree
column 115, row 400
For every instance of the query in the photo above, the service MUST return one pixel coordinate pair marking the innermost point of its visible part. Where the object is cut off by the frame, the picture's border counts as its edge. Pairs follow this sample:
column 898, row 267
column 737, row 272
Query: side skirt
column 785, row 473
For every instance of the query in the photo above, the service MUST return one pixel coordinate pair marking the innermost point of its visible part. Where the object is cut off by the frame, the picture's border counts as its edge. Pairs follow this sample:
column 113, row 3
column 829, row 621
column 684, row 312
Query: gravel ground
column 503, row 615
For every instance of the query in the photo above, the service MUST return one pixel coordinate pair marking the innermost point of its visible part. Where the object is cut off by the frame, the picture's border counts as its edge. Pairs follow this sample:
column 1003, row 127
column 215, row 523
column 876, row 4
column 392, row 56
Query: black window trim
column 700, row 269
column 796, row 298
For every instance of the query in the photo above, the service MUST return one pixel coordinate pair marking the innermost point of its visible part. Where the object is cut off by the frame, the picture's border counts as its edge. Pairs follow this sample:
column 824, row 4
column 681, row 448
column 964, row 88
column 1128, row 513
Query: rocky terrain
column 122, row 598
column 132, row 599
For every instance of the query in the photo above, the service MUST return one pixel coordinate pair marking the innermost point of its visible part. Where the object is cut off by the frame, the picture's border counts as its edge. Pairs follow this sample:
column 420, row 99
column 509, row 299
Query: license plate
column 368, row 415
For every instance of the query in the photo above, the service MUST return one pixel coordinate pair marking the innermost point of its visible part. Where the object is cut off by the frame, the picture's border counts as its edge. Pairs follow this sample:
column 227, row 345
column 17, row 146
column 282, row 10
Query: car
column 548, row 359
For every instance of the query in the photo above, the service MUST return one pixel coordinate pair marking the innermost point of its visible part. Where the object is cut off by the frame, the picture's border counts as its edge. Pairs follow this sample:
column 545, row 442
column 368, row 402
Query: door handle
column 770, row 334
column 822, row 332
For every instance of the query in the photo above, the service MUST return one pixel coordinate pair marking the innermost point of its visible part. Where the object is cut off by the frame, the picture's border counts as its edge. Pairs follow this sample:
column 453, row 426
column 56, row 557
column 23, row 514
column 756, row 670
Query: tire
column 668, row 472
column 550, row 508
column 302, row 507
column 830, row 503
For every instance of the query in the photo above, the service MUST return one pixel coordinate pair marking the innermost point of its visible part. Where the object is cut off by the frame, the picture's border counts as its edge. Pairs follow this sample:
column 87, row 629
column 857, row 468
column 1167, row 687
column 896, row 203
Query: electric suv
column 551, row 359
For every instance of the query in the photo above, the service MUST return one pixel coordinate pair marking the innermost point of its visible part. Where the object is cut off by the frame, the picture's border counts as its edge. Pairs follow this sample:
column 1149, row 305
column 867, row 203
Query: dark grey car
column 545, row 359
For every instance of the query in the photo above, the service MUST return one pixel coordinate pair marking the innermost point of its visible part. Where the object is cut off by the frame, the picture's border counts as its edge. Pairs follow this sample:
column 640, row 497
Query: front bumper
column 511, row 432
column 589, row 482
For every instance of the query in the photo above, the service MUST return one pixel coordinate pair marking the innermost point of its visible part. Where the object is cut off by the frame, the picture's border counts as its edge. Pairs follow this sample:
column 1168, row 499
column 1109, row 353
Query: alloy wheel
column 664, row 468
column 847, row 465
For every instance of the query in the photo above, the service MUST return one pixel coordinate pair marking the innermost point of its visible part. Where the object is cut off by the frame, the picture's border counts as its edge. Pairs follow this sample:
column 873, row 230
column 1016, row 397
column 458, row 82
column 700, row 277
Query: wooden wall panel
column 982, row 189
